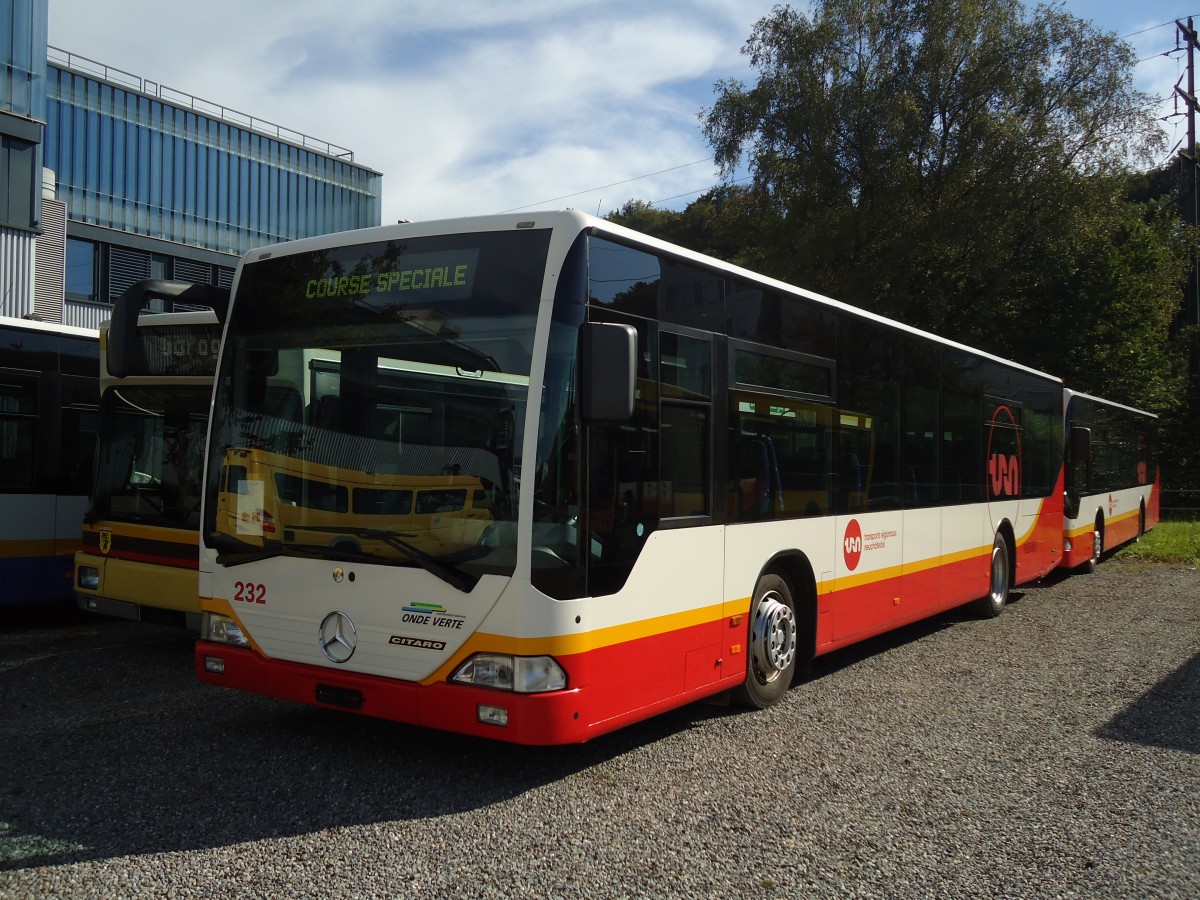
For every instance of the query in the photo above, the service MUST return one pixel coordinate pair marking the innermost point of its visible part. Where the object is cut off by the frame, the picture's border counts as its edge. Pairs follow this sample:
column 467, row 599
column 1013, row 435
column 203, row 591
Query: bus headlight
column 222, row 630
column 88, row 578
column 520, row 674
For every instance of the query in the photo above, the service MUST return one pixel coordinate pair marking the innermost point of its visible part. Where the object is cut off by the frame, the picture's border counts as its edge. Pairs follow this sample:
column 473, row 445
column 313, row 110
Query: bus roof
column 1133, row 409
column 575, row 221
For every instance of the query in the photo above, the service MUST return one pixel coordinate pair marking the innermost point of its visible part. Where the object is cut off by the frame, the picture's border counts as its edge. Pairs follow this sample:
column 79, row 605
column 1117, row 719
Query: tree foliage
column 707, row 225
column 937, row 160
column 965, row 166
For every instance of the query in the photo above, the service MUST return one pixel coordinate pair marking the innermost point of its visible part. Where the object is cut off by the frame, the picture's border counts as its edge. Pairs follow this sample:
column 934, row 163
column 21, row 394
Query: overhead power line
column 697, row 162
column 614, row 184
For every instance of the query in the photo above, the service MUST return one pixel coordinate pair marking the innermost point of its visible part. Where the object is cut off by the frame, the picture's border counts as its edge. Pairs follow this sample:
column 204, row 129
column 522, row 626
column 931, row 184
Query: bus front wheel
column 773, row 644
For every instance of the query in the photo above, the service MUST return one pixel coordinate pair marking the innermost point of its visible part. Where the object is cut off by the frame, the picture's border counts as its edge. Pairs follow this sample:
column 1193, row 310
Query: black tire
column 772, row 644
column 1001, row 580
column 1097, row 548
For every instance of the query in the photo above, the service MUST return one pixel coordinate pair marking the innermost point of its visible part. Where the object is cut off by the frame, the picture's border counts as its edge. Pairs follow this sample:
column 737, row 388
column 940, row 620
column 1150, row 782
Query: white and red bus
column 1112, row 479
column 139, row 553
column 684, row 478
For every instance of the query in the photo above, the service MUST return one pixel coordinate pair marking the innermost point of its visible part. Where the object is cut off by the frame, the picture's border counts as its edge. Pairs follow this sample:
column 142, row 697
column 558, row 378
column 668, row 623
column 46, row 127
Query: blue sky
column 476, row 106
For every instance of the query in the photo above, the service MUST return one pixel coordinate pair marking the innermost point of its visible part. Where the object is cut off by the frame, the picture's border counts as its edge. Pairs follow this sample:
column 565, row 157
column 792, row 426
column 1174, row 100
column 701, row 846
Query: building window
column 82, row 271
column 17, row 158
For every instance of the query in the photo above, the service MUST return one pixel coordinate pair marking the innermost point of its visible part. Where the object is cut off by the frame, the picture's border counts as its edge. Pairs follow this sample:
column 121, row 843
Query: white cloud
column 465, row 107
column 476, row 106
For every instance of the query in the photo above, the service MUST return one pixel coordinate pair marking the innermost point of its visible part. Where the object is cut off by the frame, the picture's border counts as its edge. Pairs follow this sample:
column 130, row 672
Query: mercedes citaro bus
column 664, row 477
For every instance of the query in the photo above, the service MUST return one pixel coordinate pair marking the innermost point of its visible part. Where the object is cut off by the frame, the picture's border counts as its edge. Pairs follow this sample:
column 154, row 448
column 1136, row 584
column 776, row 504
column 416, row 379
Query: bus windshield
column 152, row 456
column 370, row 404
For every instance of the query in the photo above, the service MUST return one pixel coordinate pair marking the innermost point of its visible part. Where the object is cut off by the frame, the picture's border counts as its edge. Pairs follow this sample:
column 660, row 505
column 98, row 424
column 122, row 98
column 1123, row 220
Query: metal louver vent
column 51, row 255
column 125, row 267
column 190, row 270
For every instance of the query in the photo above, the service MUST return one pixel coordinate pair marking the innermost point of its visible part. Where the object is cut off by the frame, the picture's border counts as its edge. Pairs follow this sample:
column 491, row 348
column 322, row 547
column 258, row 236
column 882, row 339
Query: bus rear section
column 536, row 478
column 48, row 400
column 1113, row 489
column 140, row 532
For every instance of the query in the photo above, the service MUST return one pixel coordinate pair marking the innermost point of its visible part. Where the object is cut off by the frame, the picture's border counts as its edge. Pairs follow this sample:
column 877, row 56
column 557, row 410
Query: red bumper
column 532, row 718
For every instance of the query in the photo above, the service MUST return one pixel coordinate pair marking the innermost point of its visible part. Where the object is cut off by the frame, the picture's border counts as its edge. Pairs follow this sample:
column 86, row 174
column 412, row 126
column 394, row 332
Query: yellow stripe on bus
column 148, row 532
column 44, row 547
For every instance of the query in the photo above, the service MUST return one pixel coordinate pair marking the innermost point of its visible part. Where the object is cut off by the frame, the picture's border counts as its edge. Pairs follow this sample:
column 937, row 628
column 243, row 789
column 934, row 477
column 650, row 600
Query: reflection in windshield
column 371, row 405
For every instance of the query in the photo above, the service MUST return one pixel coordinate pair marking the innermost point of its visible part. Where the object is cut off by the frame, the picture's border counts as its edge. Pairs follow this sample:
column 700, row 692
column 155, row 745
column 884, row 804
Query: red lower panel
column 1040, row 551
column 866, row 610
column 1122, row 532
column 609, row 687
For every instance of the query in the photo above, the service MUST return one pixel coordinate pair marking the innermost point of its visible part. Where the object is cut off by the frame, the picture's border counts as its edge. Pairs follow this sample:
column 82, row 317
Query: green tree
column 928, row 159
column 706, row 225
column 966, row 166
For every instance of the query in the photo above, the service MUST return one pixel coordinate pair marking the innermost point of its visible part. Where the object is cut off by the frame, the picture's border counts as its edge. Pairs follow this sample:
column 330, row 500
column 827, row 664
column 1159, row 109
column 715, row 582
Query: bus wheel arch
column 780, row 631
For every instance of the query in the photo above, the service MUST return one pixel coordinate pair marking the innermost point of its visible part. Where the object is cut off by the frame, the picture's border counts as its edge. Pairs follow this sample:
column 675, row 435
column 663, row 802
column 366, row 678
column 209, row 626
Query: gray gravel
column 1053, row 752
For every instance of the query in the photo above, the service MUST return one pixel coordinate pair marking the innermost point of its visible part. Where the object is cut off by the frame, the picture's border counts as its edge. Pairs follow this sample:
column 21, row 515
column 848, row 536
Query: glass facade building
column 22, row 106
column 132, row 161
column 115, row 178
column 23, row 25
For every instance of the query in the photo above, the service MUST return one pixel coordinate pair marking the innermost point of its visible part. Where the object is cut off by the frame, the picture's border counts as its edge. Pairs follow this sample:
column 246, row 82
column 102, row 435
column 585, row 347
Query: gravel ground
column 1053, row 752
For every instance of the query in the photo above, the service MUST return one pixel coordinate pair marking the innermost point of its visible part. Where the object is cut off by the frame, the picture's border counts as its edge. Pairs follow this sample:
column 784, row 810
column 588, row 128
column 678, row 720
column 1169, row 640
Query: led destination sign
column 446, row 275
column 178, row 350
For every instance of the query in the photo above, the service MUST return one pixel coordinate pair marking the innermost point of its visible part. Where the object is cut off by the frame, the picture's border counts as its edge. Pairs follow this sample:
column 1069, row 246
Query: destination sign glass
column 179, row 350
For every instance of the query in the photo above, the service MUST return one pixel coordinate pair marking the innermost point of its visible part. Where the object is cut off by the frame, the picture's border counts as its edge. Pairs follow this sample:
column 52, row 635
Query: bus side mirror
column 1081, row 444
column 607, row 371
column 125, row 354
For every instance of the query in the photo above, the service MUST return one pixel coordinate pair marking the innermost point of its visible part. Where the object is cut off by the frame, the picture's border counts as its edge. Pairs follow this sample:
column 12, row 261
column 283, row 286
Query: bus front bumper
column 550, row 718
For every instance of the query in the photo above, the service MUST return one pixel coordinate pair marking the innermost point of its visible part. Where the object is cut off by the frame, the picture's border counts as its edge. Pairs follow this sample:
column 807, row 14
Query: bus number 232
column 249, row 592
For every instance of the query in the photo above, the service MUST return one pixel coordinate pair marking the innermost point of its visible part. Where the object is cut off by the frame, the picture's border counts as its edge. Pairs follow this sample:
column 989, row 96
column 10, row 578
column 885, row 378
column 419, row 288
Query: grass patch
column 1176, row 543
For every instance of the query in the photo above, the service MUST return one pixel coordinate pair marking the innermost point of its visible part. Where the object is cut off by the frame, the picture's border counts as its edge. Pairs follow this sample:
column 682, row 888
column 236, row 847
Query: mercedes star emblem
column 338, row 637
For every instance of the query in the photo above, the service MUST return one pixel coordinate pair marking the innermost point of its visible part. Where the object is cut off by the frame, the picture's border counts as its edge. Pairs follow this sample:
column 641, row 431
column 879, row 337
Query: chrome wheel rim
column 999, row 575
column 773, row 637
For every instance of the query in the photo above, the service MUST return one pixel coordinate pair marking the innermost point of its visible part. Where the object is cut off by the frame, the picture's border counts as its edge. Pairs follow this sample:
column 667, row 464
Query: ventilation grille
column 125, row 268
column 190, row 270
column 51, row 265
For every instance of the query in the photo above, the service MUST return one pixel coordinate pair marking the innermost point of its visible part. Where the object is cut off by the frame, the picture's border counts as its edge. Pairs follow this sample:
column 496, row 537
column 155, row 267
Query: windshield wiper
column 431, row 564
column 230, row 551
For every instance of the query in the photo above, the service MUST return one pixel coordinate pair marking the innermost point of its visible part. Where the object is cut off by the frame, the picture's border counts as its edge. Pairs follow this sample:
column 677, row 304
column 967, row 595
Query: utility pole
column 1190, row 313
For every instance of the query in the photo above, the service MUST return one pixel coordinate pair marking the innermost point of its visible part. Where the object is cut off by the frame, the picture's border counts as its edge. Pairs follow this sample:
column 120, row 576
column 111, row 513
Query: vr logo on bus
column 1005, row 474
column 852, row 544
column 1004, row 454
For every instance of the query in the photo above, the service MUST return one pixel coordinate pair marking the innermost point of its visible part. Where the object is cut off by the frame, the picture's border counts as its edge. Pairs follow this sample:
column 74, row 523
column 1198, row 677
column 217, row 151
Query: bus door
column 921, row 585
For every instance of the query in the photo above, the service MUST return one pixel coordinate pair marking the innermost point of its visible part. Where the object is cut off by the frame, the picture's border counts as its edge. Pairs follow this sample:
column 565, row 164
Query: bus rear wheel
column 1097, row 547
column 1001, row 581
column 773, row 644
